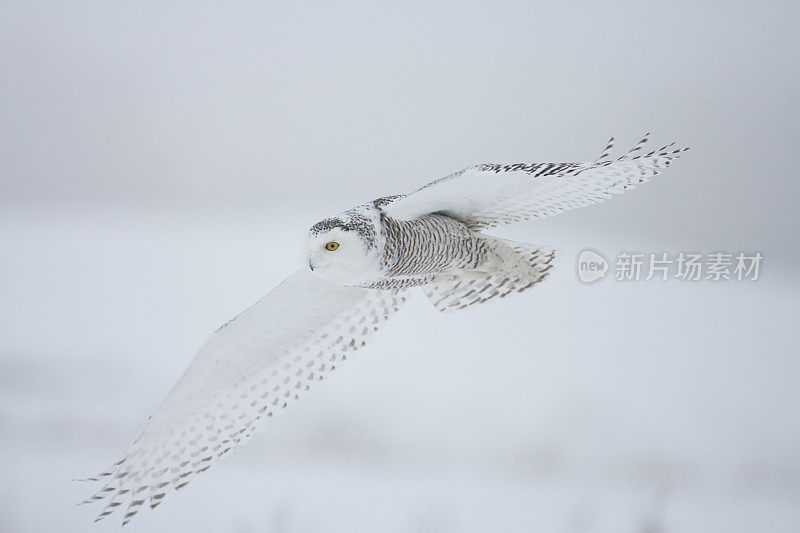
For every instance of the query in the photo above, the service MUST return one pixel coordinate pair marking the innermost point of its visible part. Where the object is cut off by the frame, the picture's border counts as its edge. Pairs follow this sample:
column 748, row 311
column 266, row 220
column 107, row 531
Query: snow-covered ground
column 617, row 407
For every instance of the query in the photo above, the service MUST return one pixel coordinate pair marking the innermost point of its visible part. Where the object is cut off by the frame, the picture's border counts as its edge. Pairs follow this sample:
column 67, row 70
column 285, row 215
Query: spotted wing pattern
column 522, row 267
column 252, row 368
column 488, row 195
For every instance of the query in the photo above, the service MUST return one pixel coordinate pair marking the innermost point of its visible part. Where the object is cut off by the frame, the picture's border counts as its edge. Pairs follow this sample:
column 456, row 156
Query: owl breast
column 415, row 250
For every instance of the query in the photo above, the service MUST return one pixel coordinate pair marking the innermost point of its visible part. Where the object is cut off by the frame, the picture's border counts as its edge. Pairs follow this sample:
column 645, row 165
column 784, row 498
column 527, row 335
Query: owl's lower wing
column 484, row 196
column 249, row 370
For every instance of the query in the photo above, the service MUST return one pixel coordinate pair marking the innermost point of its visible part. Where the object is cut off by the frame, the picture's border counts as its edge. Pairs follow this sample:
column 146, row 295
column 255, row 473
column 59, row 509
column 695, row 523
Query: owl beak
column 313, row 260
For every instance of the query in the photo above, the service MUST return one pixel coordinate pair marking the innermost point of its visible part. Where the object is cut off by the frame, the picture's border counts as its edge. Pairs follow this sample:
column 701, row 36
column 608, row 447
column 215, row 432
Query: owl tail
column 513, row 267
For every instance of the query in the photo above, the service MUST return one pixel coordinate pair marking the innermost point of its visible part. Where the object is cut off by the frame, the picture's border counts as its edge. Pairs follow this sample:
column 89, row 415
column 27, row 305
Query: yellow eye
column 331, row 246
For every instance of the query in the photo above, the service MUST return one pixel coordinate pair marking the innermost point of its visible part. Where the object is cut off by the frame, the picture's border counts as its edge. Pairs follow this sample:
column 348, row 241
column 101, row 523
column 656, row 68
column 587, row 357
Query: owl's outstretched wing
column 250, row 369
column 484, row 196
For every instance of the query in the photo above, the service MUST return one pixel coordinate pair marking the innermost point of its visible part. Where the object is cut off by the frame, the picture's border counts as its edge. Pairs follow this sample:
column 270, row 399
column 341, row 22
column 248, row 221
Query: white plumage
column 361, row 263
column 488, row 195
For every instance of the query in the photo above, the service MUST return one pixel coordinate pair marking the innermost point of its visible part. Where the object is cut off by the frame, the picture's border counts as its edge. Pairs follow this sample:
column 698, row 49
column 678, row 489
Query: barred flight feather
column 253, row 368
column 488, row 195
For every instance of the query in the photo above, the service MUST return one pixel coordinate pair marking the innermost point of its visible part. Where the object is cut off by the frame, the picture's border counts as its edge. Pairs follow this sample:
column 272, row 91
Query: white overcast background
column 159, row 165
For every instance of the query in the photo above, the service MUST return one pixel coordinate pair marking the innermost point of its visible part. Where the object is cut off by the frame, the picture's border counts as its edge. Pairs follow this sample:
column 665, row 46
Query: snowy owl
column 360, row 264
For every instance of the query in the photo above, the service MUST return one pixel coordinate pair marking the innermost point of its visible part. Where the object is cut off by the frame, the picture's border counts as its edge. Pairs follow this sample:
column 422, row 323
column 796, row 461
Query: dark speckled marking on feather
column 429, row 245
column 537, row 169
column 386, row 200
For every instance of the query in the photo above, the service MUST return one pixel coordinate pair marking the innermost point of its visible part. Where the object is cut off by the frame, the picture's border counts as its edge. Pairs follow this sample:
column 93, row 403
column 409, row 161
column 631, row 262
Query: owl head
column 344, row 249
